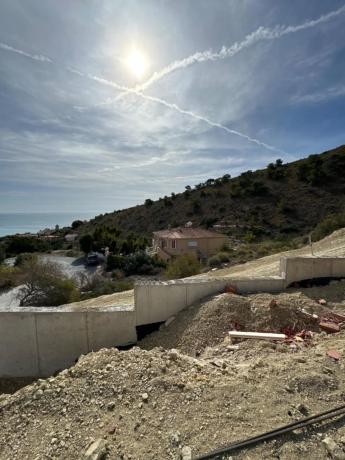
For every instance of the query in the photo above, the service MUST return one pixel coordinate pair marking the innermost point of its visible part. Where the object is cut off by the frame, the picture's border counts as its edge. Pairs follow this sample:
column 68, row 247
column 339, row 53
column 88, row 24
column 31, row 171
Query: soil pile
column 207, row 324
column 159, row 404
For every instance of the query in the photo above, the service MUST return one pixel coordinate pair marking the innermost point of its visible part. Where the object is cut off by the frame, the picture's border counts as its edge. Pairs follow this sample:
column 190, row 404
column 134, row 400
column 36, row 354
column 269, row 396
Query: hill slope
column 276, row 201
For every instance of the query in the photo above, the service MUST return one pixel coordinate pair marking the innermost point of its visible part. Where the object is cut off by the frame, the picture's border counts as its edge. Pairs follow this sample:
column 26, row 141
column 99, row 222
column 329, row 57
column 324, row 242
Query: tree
column 2, row 254
column 183, row 266
column 46, row 285
column 76, row 224
column 85, row 243
column 148, row 202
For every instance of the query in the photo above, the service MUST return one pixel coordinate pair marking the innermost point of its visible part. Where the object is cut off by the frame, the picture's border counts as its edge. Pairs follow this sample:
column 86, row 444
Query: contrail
column 35, row 57
column 209, row 122
column 136, row 92
column 261, row 34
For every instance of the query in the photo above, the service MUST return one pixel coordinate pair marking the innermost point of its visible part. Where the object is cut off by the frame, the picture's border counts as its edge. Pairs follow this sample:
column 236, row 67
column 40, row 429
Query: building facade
column 187, row 240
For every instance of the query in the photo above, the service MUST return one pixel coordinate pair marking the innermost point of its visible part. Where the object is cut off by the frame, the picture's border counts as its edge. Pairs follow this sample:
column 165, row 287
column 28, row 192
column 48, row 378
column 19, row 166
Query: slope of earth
column 280, row 201
column 331, row 246
column 206, row 324
column 160, row 404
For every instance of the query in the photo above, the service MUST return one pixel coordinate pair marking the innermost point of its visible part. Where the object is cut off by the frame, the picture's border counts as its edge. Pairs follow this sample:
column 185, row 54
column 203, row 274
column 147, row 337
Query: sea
column 12, row 223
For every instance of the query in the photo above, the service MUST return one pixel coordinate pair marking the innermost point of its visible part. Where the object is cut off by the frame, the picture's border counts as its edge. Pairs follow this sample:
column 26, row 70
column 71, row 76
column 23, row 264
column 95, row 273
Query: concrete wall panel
column 61, row 339
column 18, row 352
column 110, row 329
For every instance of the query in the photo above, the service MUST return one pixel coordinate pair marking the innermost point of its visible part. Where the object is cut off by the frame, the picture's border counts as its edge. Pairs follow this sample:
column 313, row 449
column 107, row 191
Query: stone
column 333, row 449
column 97, row 450
column 145, row 397
column 186, row 453
column 111, row 405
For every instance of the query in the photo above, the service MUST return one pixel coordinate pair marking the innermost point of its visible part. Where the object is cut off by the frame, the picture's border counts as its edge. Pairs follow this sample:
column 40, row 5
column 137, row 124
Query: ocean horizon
column 13, row 223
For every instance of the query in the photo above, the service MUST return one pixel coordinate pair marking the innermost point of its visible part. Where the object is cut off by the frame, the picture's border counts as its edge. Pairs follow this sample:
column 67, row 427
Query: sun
column 137, row 63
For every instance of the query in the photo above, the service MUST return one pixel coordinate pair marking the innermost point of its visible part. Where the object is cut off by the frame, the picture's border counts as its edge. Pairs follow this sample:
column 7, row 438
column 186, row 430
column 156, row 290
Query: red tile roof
column 187, row 232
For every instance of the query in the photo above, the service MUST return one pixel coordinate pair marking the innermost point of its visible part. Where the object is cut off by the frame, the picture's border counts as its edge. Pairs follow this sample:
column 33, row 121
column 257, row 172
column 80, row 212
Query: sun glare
column 137, row 63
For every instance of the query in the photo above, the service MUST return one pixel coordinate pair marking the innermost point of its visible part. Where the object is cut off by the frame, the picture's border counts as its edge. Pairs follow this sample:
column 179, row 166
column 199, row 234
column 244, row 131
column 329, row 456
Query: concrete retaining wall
column 155, row 302
column 40, row 343
column 303, row 268
column 37, row 342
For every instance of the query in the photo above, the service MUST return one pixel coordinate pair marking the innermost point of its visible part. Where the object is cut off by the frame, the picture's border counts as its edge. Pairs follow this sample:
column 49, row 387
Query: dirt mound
column 207, row 324
column 145, row 405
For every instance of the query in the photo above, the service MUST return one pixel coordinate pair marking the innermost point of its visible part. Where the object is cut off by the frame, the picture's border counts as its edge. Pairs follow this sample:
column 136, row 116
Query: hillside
column 278, row 201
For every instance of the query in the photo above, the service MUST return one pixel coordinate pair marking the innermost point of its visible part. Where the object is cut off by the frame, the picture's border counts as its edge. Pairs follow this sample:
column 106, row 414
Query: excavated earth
column 196, row 394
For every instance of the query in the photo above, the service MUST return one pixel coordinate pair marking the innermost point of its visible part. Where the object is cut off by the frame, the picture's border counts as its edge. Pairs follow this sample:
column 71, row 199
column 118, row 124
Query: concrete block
column 61, row 338
column 18, row 352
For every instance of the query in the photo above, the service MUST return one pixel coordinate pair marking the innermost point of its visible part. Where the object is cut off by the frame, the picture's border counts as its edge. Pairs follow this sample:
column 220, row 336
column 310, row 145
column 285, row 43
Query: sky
column 105, row 103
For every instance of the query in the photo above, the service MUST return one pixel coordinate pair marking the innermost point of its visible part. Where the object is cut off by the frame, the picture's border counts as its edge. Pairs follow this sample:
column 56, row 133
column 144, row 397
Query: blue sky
column 227, row 86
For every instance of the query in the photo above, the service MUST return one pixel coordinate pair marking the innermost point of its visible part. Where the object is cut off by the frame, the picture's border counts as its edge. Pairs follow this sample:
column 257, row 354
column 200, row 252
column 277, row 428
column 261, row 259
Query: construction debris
column 199, row 393
column 256, row 335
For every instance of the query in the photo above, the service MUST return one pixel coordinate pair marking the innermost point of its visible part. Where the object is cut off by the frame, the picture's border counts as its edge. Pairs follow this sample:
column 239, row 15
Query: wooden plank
column 256, row 335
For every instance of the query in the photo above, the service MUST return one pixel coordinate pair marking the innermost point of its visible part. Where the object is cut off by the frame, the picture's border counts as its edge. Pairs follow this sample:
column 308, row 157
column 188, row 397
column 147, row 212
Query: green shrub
column 46, row 285
column 85, row 243
column 183, row 266
column 138, row 263
column 328, row 225
column 223, row 257
column 214, row 261
column 9, row 277
column 19, row 244
column 25, row 257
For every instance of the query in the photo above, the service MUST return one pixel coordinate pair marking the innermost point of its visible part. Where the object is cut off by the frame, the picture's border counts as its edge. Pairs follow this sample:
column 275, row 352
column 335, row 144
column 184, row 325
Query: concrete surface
column 41, row 341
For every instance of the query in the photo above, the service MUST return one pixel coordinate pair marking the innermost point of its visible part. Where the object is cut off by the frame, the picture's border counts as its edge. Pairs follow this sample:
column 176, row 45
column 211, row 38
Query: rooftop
column 187, row 232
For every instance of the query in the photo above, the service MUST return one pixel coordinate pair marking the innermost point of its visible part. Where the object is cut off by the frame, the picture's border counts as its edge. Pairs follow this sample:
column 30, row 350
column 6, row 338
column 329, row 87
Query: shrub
column 138, row 263
column 223, row 257
column 9, row 277
column 214, row 261
column 18, row 244
column 2, row 254
column 328, row 225
column 148, row 202
column 76, row 224
column 22, row 259
column 85, row 243
column 46, row 285
column 183, row 266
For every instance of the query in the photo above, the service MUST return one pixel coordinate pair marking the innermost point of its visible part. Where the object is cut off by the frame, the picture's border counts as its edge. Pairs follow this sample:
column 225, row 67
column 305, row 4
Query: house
column 185, row 240
column 70, row 237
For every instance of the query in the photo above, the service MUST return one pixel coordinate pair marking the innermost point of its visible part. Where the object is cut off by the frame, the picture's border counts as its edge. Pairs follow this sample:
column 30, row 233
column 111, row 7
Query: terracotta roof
column 187, row 232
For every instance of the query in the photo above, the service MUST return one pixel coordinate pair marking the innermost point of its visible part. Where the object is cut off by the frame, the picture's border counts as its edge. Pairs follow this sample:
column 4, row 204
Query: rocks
column 330, row 328
column 97, row 450
column 111, row 406
column 334, row 450
column 186, row 453
column 145, row 397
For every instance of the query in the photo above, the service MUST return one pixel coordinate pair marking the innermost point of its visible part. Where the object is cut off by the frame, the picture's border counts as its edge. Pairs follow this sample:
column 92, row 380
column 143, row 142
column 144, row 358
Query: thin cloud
column 35, row 57
column 157, row 100
column 261, row 34
column 321, row 96
column 178, row 109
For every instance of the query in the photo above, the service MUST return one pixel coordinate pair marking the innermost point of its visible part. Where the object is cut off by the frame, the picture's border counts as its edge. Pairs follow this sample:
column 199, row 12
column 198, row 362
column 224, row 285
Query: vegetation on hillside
column 281, row 201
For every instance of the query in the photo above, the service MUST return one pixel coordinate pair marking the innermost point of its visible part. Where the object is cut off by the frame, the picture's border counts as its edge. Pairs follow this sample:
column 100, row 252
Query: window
column 192, row 244
column 173, row 244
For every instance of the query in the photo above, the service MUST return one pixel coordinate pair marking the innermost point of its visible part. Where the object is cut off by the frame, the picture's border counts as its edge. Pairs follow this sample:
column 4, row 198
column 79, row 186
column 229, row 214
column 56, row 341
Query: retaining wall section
column 40, row 343
column 303, row 268
column 156, row 302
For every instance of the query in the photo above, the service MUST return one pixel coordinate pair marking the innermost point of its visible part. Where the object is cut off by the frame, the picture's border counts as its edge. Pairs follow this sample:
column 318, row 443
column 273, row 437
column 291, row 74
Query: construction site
column 213, row 374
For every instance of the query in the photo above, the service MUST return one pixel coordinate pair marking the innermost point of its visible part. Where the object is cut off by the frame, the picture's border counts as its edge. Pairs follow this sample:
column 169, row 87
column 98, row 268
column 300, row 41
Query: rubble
column 198, row 393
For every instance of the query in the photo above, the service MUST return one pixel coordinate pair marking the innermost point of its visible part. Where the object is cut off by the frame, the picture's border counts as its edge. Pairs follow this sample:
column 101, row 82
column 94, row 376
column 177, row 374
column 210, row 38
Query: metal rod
column 273, row 433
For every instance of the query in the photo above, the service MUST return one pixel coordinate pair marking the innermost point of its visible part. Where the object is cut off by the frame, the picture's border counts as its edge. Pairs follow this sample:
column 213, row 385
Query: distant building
column 186, row 240
column 70, row 237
